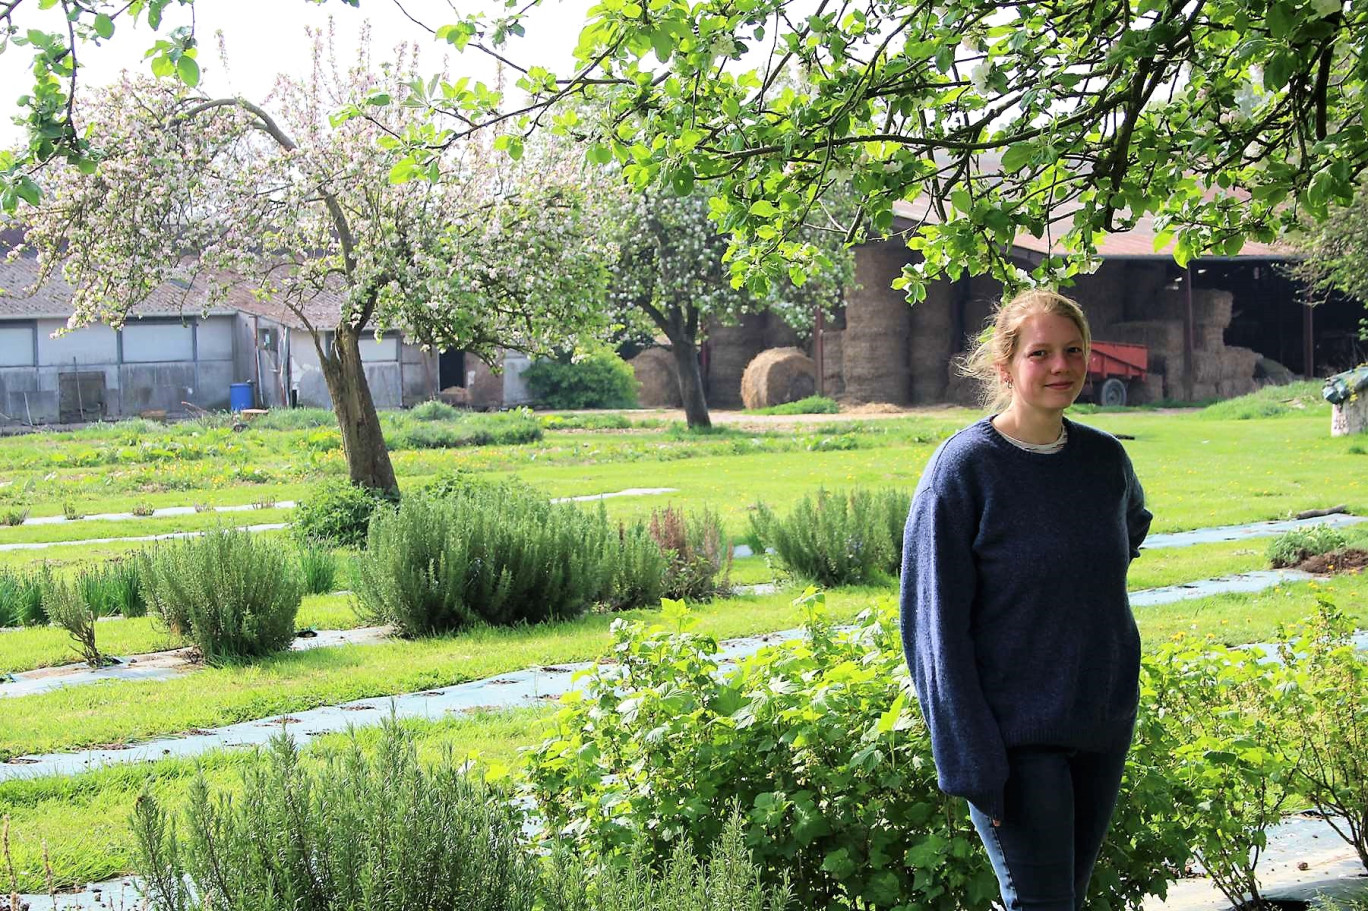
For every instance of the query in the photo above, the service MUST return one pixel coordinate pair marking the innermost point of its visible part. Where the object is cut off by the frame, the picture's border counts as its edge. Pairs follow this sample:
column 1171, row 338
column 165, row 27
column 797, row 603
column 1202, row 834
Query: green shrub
column 600, row 379
column 698, row 557
column 813, row 404
column 726, row 881
column 69, row 609
column 233, row 594
column 504, row 429
column 1292, row 547
column 22, row 597
column 434, row 410
column 336, row 513
column 636, row 566
column 819, row 742
column 837, row 538
column 585, row 422
column 362, row 829
column 114, row 588
column 17, row 515
column 500, row 554
column 1327, row 721
column 294, row 419
column 1229, row 764
column 318, row 565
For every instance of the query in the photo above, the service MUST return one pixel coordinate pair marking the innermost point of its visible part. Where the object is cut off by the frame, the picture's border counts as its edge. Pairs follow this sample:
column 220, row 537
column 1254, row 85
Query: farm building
column 172, row 355
column 1214, row 330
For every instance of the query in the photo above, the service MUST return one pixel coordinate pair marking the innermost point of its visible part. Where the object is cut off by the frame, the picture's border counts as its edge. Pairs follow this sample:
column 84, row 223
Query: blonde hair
column 1001, row 332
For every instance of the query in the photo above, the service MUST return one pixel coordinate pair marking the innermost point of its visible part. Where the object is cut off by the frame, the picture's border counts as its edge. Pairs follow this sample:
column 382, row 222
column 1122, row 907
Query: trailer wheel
column 1112, row 393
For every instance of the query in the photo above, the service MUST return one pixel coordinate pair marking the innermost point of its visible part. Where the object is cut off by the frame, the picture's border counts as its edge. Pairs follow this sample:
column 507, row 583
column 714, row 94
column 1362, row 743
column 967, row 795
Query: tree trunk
column 363, row 442
column 690, row 380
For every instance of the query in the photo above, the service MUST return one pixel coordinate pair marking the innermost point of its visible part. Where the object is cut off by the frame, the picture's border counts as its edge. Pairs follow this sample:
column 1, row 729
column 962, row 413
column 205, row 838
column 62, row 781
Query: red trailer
column 1112, row 367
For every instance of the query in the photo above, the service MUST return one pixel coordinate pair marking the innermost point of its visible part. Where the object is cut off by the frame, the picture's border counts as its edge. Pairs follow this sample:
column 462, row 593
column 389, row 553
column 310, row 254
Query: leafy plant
column 71, row 512
column 15, row 516
column 143, row 509
column 837, row 538
column 336, row 513
column 698, row 557
column 818, row 741
column 319, row 567
column 434, row 410
column 1230, row 766
column 1328, row 721
column 362, row 828
column 1292, row 547
column 69, row 609
column 233, row 594
column 599, row 379
column 114, row 588
column 498, row 554
column 508, row 428
column 813, row 404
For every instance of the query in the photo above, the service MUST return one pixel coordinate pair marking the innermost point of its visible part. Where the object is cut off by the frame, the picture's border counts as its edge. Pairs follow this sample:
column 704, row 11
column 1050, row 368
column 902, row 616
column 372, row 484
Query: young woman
column 1015, row 620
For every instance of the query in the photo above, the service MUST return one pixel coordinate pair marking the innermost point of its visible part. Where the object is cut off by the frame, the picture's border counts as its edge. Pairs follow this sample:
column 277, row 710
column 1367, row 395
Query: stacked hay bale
column 875, row 345
column 778, row 376
column 657, row 377
column 730, row 349
column 931, row 344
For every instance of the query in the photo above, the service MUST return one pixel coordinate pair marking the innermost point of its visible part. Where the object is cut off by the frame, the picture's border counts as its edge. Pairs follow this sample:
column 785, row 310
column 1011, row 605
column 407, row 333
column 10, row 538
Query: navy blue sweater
column 1015, row 618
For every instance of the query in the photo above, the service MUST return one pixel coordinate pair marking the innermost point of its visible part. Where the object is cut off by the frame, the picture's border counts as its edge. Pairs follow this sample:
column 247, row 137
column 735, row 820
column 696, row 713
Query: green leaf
column 378, row 99
column 1279, row 71
column 162, row 66
column 599, row 154
column 28, row 190
column 682, row 182
column 763, row 208
column 1016, row 157
column 188, row 70
column 104, row 26
column 1282, row 19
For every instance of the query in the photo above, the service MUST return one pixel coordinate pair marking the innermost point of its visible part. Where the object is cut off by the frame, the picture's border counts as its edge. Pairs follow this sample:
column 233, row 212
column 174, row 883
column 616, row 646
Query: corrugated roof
column 20, row 299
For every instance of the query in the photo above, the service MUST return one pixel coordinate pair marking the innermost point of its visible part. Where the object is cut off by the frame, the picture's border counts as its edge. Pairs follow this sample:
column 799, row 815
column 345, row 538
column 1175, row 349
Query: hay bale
column 730, row 349
column 1209, row 337
column 1212, row 307
column 1146, row 391
column 1237, row 364
column 657, row 377
column 778, row 376
column 876, row 368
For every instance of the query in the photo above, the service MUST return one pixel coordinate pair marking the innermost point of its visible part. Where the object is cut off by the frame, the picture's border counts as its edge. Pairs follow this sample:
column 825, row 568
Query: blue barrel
column 240, row 396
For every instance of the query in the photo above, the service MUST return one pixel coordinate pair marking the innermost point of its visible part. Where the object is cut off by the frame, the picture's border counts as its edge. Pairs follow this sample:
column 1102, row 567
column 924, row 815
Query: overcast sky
column 267, row 37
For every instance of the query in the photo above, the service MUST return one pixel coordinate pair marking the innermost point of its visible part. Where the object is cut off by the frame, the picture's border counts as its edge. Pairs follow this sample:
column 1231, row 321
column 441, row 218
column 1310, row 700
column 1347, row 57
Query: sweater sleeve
column 1138, row 518
column 937, row 596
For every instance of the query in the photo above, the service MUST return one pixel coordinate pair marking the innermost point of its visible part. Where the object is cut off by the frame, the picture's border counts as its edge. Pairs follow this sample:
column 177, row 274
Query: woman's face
column 1048, row 368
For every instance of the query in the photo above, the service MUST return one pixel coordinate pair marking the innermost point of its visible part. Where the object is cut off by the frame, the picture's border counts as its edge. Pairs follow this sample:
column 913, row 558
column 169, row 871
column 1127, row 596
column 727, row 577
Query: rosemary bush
column 361, row 830
column 69, row 608
column 726, row 880
column 697, row 554
column 837, row 538
column 500, row 554
column 232, row 594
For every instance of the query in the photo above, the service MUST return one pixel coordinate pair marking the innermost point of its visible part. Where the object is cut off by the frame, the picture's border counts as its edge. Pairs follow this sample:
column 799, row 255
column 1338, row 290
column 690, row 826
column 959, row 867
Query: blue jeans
column 1058, row 806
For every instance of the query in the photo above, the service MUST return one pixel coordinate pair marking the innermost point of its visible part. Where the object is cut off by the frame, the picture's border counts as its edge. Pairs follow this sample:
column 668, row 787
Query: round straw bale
column 657, row 377
column 777, row 376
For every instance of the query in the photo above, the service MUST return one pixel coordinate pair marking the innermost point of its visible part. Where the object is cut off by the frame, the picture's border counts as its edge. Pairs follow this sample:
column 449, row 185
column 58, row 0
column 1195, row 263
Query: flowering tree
column 474, row 251
column 671, row 274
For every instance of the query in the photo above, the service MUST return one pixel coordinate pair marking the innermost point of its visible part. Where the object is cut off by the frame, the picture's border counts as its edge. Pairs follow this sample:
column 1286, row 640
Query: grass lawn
column 1199, row 468
column 83, row 818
